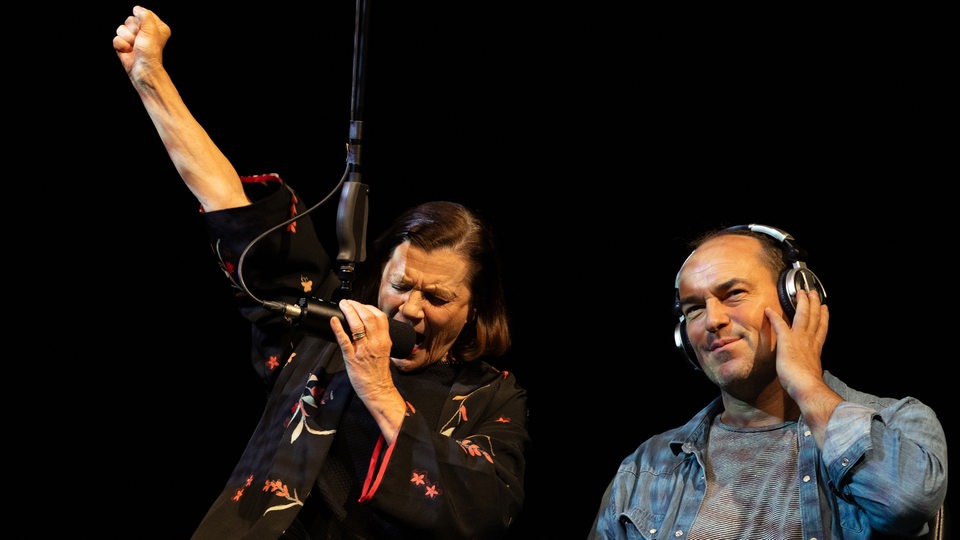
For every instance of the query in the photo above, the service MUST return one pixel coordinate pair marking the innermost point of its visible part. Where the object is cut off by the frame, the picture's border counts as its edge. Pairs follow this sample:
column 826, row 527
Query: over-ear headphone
column 794, row 278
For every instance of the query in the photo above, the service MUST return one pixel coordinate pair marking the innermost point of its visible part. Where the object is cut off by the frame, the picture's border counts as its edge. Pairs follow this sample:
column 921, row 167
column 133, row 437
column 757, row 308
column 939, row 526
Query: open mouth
column 419, row 343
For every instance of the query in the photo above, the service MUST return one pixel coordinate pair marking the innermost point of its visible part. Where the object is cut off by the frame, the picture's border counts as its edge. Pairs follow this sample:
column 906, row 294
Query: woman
column 353, row 443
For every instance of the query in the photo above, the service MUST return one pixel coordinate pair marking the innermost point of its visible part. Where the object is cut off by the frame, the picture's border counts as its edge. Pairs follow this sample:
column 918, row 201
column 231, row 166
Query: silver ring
column 358, row 335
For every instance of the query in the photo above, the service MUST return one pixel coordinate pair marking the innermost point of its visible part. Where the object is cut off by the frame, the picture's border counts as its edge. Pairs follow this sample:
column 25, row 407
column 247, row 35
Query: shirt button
column 844, row 462
column 806, row 478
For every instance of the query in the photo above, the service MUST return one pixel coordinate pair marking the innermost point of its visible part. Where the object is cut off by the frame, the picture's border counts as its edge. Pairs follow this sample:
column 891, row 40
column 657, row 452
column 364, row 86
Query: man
column 787, row 450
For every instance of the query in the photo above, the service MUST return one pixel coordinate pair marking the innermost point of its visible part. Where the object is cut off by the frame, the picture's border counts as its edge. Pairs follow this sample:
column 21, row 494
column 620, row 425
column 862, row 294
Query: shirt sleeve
column 269, row 251
column 890, row 461
column 447, row 481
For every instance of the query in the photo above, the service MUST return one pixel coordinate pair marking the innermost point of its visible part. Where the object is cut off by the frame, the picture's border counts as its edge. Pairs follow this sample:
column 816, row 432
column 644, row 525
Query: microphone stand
column 352, row 211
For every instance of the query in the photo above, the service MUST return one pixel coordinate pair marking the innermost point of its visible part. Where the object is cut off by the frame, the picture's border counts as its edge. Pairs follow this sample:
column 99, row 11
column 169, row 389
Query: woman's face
column 431, row 291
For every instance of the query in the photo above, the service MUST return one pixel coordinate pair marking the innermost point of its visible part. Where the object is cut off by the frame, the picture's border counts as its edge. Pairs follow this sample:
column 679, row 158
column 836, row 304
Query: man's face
column 723, row 288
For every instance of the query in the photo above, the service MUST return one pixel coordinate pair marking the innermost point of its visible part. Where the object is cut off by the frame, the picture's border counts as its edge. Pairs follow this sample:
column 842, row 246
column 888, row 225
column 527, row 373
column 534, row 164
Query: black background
column 596, row 141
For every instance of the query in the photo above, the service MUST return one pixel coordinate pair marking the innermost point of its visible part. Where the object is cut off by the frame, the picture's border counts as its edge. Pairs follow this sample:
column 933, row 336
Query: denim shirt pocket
column 646, row 526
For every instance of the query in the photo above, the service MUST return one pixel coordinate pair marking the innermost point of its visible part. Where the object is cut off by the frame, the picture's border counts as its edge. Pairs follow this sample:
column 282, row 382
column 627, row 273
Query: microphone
column 313, row 315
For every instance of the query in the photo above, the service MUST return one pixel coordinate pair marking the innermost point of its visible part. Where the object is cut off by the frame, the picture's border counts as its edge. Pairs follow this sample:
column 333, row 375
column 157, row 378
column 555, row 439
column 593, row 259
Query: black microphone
column 313, row 315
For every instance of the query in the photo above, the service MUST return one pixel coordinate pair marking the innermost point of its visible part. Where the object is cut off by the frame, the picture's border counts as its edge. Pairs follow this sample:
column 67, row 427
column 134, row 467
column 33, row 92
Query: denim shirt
column 882, row 469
